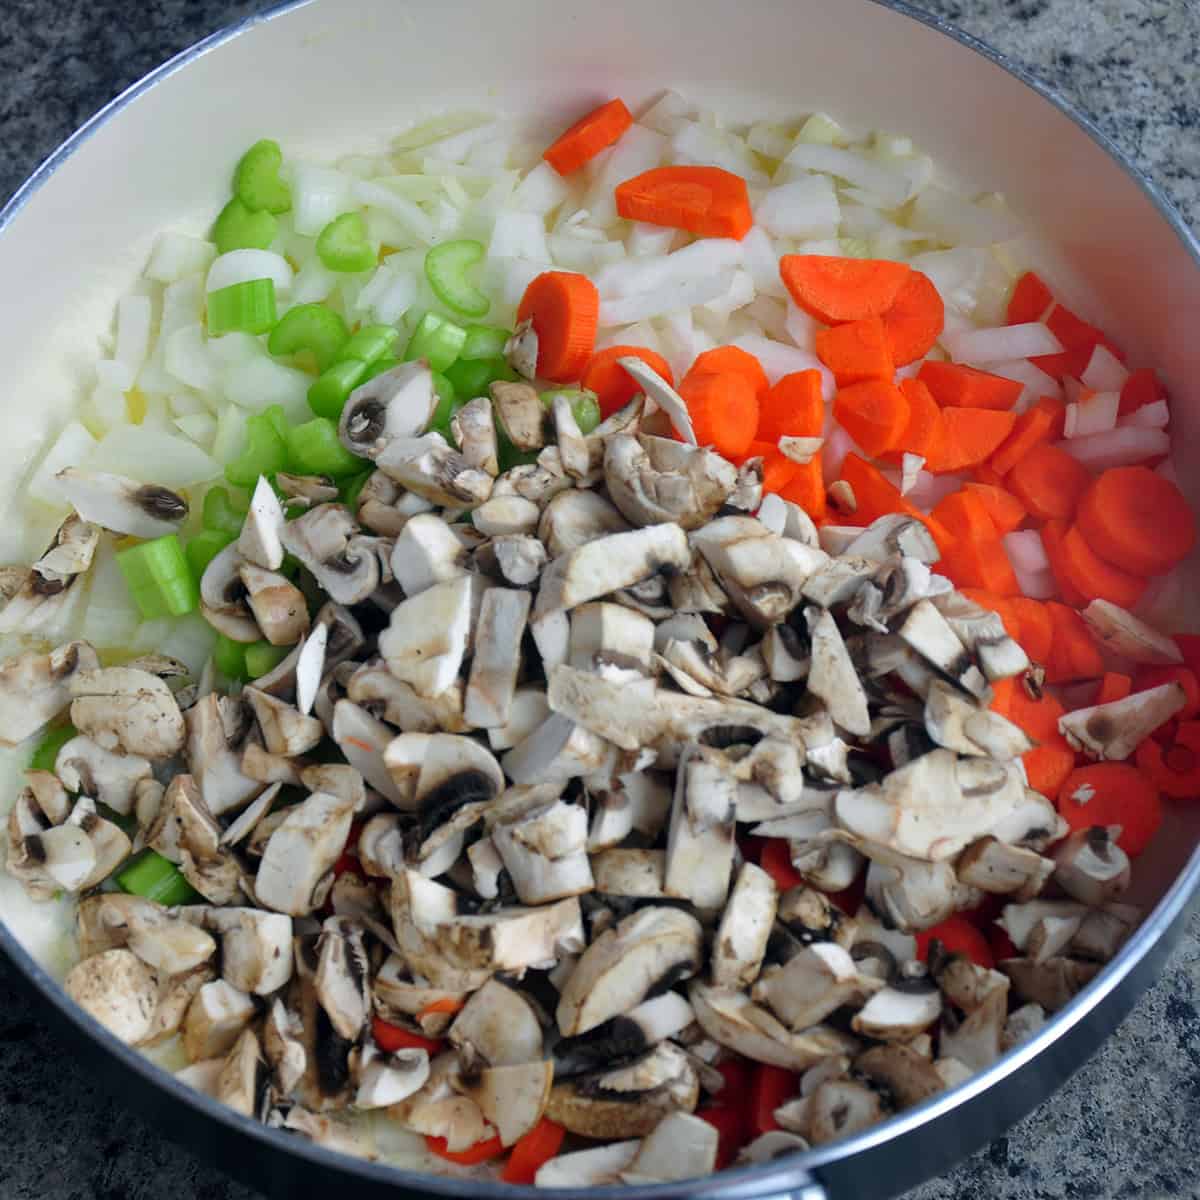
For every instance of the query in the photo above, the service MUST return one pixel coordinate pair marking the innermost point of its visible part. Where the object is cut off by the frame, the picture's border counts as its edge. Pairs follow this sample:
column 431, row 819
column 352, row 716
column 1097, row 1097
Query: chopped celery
column 230, row 657
column 265, row 451
column 47, row 749
column 484, row 341
column 262, row 657
column 379, row 366
column 343, row 245
column 156, row 878
column 311, row 327
column 327, row 395
column 256, row 181
column 246, row 307
column 436, row 340
column 471, row 377
column 583, row 405
column 508, row 456
column 159, row 579
column 223, row 512
column 237, row 228
column 448, row 404
column 314, row 449
column 204, row 547
column 369, row 344
column 446, row 268
column 352, row 486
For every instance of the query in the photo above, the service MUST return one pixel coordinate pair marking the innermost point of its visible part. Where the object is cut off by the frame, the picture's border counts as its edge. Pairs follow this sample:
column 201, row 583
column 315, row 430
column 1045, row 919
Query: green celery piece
column 265, row 452
column 446, row 268
column 46, row 751
column 328, row 393
column 369, row 344
column 153, row 877
column 436, row 340
column 257, row 182
column 237, row 228
column 230, row 657
column 223, row 512
column 343, row 245
column 204, row 547
column 485, row 341
column 246, row 307
column 315, row 449
column 262, row 657
column 473, row 376
column 159, row 579
column 311, row 327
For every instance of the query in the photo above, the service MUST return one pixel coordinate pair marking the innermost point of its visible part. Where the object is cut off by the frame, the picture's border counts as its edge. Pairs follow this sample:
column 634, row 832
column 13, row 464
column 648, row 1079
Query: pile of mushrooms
column 538, row 707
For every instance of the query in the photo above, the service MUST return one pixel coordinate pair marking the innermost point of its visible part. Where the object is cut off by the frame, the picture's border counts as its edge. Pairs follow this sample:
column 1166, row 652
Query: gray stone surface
column 1125, row 1126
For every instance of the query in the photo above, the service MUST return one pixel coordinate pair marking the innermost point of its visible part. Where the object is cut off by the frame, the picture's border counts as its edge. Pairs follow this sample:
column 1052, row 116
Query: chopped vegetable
column 446, row 268
column 957, row 936
column 1112, row 794
column 222, row 512
column 793, row 407
column 481, row 1152
column 315, row 449
column 1143, row 387
column 733, row 359
column 874, row 413
column 328, row 394
column 856, row 351
column 1036, row 628
column 592, row 133
column 842, row 289
column 343, row 245
column 368, row 344
column 1073, row 654
column 1174, row 769
column 1030, row 301
column 1093, row 578
column 707, row 201
column 1031, row 429
column 247, row 307
column 723, row 409
column 472, row 377
column 484, row 342
column 1006, row 511
column 972, row 435
column 204, row 547
column 159, row 579
column 1049, row 483
column 437, row 340
column 391, row 1038
column 979, row 562
column 265, row 452
column 46, row 751
column 770, row 1088
column 257, row 182
column 229, row 657
column 532, row 1151
column 1151, row 677
column 915, row 319
column 261, row 658
column 776, row 860
column 613, row 386
column 806, row 488
column 958, row 386
column 237, row 228
column 156, row 878
column 563, row 309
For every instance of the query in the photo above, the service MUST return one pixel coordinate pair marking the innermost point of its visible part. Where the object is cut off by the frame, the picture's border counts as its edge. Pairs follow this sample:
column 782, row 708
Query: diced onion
column 519, row 235
column 1121, row 447
column 910, row 472
column 804, row 208
column 1096, row 414
column 1149, row 416
column 1105, row 372
column 318, row 195
column 133, row 331
column 958, row 221
column 261, row 382
column 761, row 259
column 1037, row 382
column 644, row 239
column 240, row 266
column 176, row 255
column 69, row 449
column 838, row 443
column 1037, row 585
column 698, row 144
column 893, row 187
column 1026, row 551
column 541, row 191
column 693, row 264
column 114, row 374
column 187, row 358
column 411, row 216
column 200, row 428
column 982, row 346
column 741, row 292
column 665, row 299
column 153, row 457
column 313, row 283
column 638, row 150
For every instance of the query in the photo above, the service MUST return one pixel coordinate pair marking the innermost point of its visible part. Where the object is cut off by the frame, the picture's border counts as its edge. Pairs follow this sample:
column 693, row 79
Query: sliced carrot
column 979, row 562
column 856, row 350
column 957, row 386
column 1137, row 520
column 874, row 495
column 972, row 435
column 564, row 308
column 1096, row 579
column 987, row 476
column 1073, row 653
column 915, row 319
column 836, row 289
column 1049, row 482
column 588, row 136
column 613, row 385
column 1039, row 718
column 1037, row 629
column 1141, row 388
column 1006, row 511
column 1174, row 769
column 1031, row 429
column 1047, row 766
column 741, row 362
column 481, row 1152
column 446, row 1005
column 793, row 407
column 966, row 516
column 1030, row 301
column 770, row 1088
column 532, row 1151
column 807, row 489
column 874, row 413
column 1058, row 415
column 777, row 468
column 1053, row 535
column 1113, row 687
column 1066, row 362
column 724, row 410
column 1111, row 793
column 1078, row 339
column 925, row 433
column 706, row 201
column 776, row 860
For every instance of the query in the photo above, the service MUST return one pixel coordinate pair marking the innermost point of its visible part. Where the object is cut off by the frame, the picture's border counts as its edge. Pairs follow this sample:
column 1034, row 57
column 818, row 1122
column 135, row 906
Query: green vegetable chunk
column 314, row 449
column 159, row 579
column 437, row 341
column 311, row 327
column 369, row 344
column 237, row 228
column 472, row 377
column 230, row 657
column 328, row 393
column 156, row 878
column 265, row 452
column 204, row 547
column 446, row 268
column 256, row 180
column 584, row 406
column 448, row 403
column 223, row 512
column 262, row 657
column 343, row 244
column 352, row 486
column 247, row 307
column 47, row 749
column 485, row 341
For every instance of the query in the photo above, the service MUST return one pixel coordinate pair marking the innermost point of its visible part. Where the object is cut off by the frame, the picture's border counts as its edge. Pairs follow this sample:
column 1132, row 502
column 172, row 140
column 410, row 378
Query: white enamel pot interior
column 331, row 77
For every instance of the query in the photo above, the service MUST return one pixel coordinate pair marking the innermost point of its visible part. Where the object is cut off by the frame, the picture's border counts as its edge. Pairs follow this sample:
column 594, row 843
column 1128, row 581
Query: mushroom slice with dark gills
column 624, row 1037
column 497, row 1027
column 958, row 722
column 810, row 917
column 700, row 838
column 46, row 859
column 384, row 507
column 127, row 710
column 342, row 977
column 212, row 869
column 513, row 939
column 520, row 414
column 907, row 1076
column 832, row 677
column 762, row 572
column 652, row 480
column 841, row 1107
column 648, row 951
column 396, row 404
column 820, row 979
column 545, row 852
column 256, row 947
column 733, row 1020
column 429, row 633
column 327, row 541
column 35, row 688
column 326, row 1081
column 286, row 731
column 976, row 1002
column 215, row 764
column 375, row 688
column 493, row 679
column 299, row 856
column 123, row 505
column 434, row 775
column 511, row 1098
column 108, row 777
column 609, row 564
column 1090, row 867
column 910, row 894
column 930, row 635
column 278, row 605
column 119, row 990
column 110, row 843
column 627, row 1101
column 982, row 632
column 303, row 491
column 1128, row 636
column 1114, row 730
column 419, row 909
column 429, row 467
column 611, row 640
column 282, row 1046
column 223, row 597
column 899, row 1011
column 439, row 1110
column 387, row 1079
column 48, row 594
column 895, row 535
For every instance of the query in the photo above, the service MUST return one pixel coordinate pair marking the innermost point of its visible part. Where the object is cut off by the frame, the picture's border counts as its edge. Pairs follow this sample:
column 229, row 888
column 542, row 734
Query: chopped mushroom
column 35, row 688
column 475, row 432
column 326, row 540
column 259, row 540
column 680, row 1146
column 300, row 854
column 652, row 480
column 395, row 404
column 277, row 604
column 118, row 990
column 127, row 710
column 1090, row 867
column 1114, row 730
column 123, row 505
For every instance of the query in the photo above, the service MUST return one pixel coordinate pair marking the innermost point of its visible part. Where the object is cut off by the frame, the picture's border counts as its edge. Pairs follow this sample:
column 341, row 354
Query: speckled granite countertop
column 1126, row 1125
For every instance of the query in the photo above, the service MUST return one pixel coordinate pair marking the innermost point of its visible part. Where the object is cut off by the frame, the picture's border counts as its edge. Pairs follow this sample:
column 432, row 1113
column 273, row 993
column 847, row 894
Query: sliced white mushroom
column 957, row 722
column 223, row 597
column 46, row 861
column 278, row 605
column 497, row 1027
column 982, row 632
column 909, row 1077
column 1022, row 1025
column 588, row 1168
column 118, row 990
column 1090, row 867
column 304, row 491
column 127, row 710
column 1042, row 929
column 1129, row 636
column 237, row 1084
column 1114, row 730
column 513, row 939
column 363, row 740
column 642, row 802
column 1053, row 983
column 215, row 765
column 930, row 635
column 301, row 853
column 474, row 429
column 621, row 872
column 286, row 731
column 557, row 750
column 494, row 668
column 661, row 392
column 106, row 776
column 700, row 839
column 1104, row 931
column 386, row 1079
column 167, row 944
column 896, row 534
column 341, row 979
column 395, row 404
column 122, row 505
column 812, row 984
column 611, row 640
column 256, row 947
column 899, row 1012
column 426, row 641
column 519, row 413
column 680, row 1146
column 545, row 852
column 832, row 677
column 996, row 867
column 327, row 541
column 35, row 688
column 259, row 541
column 426, row 553
column 910, row 894
column 977, row 1004
column 652, row 480
column 512, row 1098
column 215, row 1019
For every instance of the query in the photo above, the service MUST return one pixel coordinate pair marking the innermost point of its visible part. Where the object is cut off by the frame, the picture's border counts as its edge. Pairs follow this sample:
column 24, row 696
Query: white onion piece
column 693, row 264
column 1149, row 416
column 702, row 145
column 957, row 274
column 761, row 259
column 1096, row 414
column 682, row 342
column 770, row 315
column 457, row 146
column 152, row 457
column 1073, row 390
column 958, row 221
column 579, row 254
column 519, row 235
column 930, row 490
column 802, row 328
column 1037, row 382
column 69, row 449
column 233, row 348
column 1105, row 372
column 176, row 255
column 665, row 299
column 667, row 114
column 838, row 443
column 891, row 186
column 187, row 358
column 644, row 239
column 779, row 359
column 133, row 331
column 541, row 191
column 199, row 427
column 183, row 304
column 910, row 472
column 411, row 215
column 261, row 382
column 740, row 293
column 241, row 266
column 1026, row 551
column 113, row 374
column 1120, row 447
column 638, row 150
column 982, row 346
column 804, row 208
column 314, row 282
column 1037, row 585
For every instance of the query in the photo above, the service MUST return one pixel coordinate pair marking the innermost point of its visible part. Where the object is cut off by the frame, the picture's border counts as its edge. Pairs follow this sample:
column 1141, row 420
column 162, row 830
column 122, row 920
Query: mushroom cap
column 653, row 479
column 222, row 597
column 395, row 404
column 118, row 989
column 122, row 505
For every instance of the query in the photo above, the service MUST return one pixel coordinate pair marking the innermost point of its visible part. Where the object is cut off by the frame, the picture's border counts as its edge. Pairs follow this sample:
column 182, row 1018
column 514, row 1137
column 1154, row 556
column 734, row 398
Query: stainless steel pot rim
column 773, row 1179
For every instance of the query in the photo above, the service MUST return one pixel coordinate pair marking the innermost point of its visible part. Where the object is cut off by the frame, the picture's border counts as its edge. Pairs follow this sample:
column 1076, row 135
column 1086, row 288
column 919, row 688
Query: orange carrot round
column 1049, row 482
column 1037, row 629
column 1112, row 794
column 1174, row 769
column 807, row 489
column 1073, row 653
column 957, row 386
column 1095, row 579
column 793, row 407
column 926, row 431
column 834, row 289
column 1047, row 766
column 915, row 319
column 1114, row 686
column 613, row 385
column 1053, row 535
column 1137, row 520
column 979, row 562
column 706, row 201
column 1030, row 301
column 1039, row 718
column 724, row 411
column 874, row 413
column 565, row 309
column 733, row 358
column 856, row 350
column 966, row 516
column 972, row 435
column 1006, row 511
column 588, row 136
